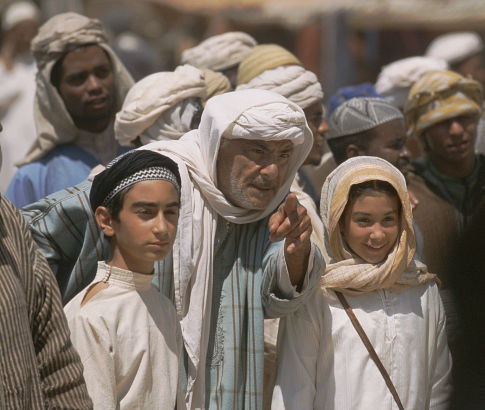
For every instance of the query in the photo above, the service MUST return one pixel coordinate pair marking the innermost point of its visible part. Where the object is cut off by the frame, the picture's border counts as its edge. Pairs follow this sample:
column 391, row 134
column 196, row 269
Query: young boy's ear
column 104, row 220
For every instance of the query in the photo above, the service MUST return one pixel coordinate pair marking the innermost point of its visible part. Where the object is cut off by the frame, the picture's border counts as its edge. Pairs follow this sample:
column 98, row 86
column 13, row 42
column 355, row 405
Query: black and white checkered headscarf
column 129, row 169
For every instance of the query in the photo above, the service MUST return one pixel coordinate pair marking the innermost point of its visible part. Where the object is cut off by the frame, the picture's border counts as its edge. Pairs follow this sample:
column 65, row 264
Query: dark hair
column 339, row 145
column 121, row 168
column 371, row 188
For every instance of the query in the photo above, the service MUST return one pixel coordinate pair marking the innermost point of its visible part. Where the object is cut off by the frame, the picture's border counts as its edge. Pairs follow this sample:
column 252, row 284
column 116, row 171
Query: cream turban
column 219, row 52
column 216, row 83
column 264, row 57
column 153, row 110
column 18, row 12
column 396, row 79
column 293, row 82
column 59, row 35
column 455, row 47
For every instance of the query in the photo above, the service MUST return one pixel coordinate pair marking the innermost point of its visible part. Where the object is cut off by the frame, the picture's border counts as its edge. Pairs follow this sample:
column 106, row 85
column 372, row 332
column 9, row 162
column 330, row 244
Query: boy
column 125, row 330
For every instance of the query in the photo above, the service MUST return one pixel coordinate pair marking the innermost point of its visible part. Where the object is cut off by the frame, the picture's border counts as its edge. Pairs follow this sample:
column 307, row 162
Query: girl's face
column 370, row 225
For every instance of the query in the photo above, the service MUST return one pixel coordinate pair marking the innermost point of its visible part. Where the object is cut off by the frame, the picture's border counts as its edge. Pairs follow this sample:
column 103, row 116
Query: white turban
column 293, row 82
column 19, row 11
column 455, row 47
column 396, row 78
column 160, row 106
column 220, row 52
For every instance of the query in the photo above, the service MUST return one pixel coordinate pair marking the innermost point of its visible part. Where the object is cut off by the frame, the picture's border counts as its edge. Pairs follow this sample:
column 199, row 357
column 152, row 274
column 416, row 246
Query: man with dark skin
column 81, row 84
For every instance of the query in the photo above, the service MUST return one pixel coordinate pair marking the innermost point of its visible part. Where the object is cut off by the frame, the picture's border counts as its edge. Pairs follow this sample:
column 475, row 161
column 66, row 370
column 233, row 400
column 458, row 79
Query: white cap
column 396, row 78
column 18, row 12
column 455, row 47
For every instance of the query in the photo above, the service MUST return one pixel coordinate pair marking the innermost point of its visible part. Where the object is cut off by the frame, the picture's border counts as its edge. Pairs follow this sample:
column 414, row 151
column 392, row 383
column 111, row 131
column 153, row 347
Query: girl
column 323, row 361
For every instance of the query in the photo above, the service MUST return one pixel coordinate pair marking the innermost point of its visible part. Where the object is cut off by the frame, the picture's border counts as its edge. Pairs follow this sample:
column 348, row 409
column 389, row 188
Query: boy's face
column 146, row 226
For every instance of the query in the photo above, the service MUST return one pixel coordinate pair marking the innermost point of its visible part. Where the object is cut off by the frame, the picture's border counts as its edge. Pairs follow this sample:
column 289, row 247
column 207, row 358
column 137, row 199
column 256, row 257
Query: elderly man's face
column 314, row 117
column 250, row 172
column 87, row 88
column 452, row 141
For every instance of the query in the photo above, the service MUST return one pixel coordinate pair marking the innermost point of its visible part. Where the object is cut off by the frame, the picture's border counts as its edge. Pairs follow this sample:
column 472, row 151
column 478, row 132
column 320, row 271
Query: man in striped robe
column 243, row 248
column 39, row 366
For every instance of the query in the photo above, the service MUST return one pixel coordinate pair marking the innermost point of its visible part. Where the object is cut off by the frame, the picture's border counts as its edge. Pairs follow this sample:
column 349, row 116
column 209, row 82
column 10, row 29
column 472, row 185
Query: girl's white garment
column 129, row 341
column 323, row 364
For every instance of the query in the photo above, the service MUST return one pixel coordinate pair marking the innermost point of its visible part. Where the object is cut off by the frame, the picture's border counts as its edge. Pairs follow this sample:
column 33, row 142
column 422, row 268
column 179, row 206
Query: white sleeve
column 298, row 346
column 92, row 341
column 441, row 386
column 283, row 281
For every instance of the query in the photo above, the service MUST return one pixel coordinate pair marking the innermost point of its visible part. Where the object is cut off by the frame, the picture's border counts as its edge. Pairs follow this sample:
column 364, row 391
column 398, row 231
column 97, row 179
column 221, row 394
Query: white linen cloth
column 129, row 341
column 249, row 114
column 323, row 363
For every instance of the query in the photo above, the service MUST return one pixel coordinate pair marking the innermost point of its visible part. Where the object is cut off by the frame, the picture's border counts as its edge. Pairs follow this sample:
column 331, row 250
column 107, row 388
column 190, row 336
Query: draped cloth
column 61, row 34
column 293, row 82
column 347, row 272
column 249, row 114
column 160, row 106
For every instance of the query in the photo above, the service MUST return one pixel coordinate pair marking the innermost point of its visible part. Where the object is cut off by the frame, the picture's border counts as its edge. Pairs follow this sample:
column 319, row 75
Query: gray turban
column 361, row 114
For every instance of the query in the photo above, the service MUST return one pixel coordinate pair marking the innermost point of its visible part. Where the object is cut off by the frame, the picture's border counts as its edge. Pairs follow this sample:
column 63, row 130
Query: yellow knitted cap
column 216, row 83
column 264, row 57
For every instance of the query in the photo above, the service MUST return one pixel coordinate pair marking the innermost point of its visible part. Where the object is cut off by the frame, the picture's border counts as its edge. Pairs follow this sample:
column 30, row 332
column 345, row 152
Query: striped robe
column 39, row 368
column 244, row 287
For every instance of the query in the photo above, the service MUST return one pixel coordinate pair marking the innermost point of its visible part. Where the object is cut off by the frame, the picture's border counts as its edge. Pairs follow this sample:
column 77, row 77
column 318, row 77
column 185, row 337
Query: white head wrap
column 18, row 12
column 293, row 82
column 61, row 34
column 245, row 113
column 455, row 47
column 395, row 79
column 220, row 52
column 160, row 106
column 361, row 114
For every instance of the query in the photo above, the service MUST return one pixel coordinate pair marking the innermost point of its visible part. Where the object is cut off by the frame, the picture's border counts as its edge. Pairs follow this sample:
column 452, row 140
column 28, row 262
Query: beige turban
column 396, row 79
column 220, row 52
column 59, row 35
column 455, row 47
column 264, row 57
column 293, row 82
column 216, row 83
column 154, row 109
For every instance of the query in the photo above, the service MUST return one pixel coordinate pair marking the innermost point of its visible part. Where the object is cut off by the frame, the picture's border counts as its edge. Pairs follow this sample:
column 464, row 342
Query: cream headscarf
column 293, row 82
column 347, row 272
column 249, row 114
column 59, row 35
column 160, row 106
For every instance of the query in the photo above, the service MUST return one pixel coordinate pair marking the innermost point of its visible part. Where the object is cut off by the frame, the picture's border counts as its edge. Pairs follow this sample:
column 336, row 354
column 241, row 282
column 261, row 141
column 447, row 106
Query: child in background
column 124, row 329
column 323, row 361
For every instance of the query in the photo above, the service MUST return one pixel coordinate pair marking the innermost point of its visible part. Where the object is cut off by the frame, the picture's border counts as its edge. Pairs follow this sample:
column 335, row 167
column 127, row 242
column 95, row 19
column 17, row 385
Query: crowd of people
column 216, row 237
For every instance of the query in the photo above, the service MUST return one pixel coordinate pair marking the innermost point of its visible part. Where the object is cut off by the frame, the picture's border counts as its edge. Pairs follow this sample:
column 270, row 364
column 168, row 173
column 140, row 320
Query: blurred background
column 344, row 42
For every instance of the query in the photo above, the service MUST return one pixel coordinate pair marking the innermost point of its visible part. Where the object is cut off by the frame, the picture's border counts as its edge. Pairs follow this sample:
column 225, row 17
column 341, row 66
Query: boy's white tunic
column 129, row 340
column 323, row 363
